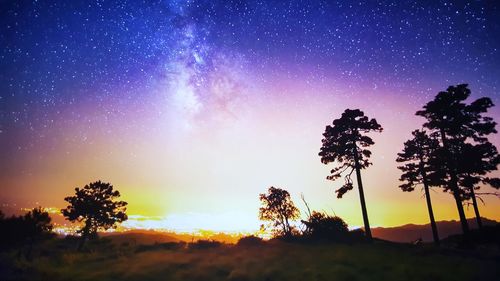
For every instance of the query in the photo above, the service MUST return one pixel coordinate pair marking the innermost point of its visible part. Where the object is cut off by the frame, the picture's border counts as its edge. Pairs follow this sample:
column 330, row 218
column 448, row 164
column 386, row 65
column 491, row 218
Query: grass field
column 108, row 259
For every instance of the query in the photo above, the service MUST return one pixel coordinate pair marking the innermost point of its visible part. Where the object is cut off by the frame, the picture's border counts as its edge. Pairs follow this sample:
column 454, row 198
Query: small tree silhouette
column 37, row 223
column 345, row 143
column 25, row 230
column 278, row 208
column 416, row 156
column 96, row 207
column 455, row 122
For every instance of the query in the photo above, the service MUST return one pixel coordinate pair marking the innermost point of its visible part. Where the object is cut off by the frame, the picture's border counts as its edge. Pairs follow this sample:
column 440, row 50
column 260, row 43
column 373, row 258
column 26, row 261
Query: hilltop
column 411, row 232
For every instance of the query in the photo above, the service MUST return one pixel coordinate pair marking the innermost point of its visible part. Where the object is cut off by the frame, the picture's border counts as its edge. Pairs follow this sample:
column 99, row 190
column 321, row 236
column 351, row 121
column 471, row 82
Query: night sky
column 192, row 108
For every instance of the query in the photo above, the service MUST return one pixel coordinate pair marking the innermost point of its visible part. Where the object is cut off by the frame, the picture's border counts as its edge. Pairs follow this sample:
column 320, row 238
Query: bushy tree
column 346, row 143
column 278, row 208
column 96, row 207
column 455, row 122
column 417, row 169
column 25, row 230
column 322, row 226
column 38, row 222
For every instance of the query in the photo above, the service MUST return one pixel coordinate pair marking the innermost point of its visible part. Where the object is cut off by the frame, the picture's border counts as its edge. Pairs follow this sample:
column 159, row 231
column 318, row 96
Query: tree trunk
column 461, row 213
column 429, row 208
column 86, row 233
column 82, row 242
column 368, row 232
column 283, row 225
column 288, row 229
column 453, row 184
column 476, row 208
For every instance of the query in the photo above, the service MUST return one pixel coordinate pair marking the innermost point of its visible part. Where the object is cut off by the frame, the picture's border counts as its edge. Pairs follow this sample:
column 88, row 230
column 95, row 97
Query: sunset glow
column 191, row 111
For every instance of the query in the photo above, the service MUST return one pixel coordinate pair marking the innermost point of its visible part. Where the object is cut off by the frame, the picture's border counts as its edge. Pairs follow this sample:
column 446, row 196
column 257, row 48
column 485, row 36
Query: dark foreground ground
column 120, row 259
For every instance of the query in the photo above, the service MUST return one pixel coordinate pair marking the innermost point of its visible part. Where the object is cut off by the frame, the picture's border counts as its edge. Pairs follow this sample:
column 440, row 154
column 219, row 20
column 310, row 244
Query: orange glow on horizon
column 208, row 176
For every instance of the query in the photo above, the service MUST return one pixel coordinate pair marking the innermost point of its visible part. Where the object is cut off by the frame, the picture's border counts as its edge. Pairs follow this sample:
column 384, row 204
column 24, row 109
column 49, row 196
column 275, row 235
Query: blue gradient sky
column 192, row 108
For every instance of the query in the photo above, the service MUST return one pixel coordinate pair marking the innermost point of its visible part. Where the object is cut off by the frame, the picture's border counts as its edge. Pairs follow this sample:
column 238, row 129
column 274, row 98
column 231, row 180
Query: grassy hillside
column 274, row 260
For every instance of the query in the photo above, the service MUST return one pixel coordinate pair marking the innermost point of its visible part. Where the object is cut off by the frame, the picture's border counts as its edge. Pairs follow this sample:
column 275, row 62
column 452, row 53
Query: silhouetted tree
column 477, row 161
column 25, row 230
column 96, row 206
column 416, row 156
column 345, row 142
column 37, row 223
column 455, row 122
column 278, row 208
column 323, row 226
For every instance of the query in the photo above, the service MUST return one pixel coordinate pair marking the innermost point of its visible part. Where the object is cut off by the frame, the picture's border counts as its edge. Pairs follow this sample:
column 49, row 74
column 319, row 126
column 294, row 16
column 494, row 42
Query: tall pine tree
column 455, row 122
column 346, row 142
column 416, row 158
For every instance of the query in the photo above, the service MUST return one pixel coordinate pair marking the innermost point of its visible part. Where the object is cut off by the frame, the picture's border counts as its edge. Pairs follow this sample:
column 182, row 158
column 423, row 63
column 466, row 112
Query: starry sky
column 193, row 108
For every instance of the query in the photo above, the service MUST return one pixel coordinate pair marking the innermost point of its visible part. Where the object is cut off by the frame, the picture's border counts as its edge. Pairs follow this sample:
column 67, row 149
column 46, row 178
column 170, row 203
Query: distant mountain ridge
column 412, row 232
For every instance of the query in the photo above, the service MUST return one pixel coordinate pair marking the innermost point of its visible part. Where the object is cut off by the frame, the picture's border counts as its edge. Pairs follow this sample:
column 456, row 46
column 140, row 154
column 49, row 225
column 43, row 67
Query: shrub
column 357, row 235
column 322, row 226
column 160, row 246
column 250, row 241
column 205, row 244
column 32, row 227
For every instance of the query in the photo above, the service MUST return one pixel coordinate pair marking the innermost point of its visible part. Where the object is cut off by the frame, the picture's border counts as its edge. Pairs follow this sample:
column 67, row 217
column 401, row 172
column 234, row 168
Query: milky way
column 76, row 75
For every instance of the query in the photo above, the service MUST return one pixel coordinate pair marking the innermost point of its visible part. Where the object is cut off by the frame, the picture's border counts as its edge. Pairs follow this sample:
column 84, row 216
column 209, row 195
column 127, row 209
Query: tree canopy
column 322, row 226
column 477, row 161
column 96, row 207
column 278, row 208
column 449, row 115
column 36, row 224
column 416, row 158
column 457, row 123
column 345, row 143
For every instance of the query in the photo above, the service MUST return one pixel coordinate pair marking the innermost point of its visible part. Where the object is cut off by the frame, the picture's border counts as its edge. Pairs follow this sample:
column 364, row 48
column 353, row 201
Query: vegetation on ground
column 107, row 259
